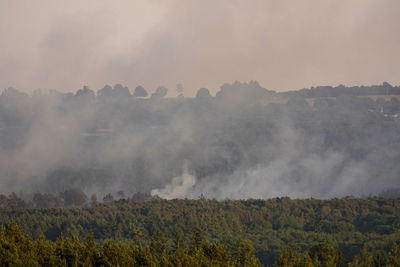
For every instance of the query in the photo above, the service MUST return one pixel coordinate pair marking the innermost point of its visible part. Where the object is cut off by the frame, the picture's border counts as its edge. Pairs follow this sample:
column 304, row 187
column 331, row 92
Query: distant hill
column 329, row 91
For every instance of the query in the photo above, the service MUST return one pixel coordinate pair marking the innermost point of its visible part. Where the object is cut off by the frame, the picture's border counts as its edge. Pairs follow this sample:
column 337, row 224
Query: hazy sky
column 284, row 45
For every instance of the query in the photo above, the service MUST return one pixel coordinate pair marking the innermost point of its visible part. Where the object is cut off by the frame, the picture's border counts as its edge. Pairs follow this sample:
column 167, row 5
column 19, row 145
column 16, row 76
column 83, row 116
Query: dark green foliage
column 293, row 257
column 17, row 249
column 270, row 226
column 327, row 255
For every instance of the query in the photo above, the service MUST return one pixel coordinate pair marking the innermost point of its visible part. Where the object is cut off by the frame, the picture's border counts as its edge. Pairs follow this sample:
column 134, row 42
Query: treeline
column 120, row 91
column 270, row 225
column 330, row 91
column 73, row 197
column 17, row 249
column 76, row 198
column 113, row 141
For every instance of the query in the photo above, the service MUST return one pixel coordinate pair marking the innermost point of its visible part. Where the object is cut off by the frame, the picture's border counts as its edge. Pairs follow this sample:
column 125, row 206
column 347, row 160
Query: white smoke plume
column 180, row 187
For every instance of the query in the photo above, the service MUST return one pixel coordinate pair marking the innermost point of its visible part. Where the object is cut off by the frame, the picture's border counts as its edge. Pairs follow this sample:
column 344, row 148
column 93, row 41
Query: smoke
column 294, row 171
column 282, row 44
column 180, row 186
column 245, row 142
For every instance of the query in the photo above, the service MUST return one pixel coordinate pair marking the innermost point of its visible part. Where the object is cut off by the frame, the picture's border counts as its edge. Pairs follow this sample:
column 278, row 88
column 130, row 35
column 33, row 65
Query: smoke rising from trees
column 244, row 142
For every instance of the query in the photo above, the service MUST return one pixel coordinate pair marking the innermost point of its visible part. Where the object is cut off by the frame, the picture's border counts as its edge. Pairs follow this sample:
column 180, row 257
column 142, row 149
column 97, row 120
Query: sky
column 284, row 45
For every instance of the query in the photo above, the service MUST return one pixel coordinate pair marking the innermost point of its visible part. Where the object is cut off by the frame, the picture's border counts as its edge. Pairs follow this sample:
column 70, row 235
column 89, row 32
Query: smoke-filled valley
column 245, row 142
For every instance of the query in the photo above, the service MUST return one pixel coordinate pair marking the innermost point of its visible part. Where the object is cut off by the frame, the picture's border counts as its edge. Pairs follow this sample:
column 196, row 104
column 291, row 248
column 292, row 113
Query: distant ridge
column 329, row 91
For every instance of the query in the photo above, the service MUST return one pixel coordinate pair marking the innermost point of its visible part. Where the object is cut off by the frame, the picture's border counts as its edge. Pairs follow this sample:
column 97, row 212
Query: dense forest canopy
column 72, row 251
column 339, row 227
column 245, row 142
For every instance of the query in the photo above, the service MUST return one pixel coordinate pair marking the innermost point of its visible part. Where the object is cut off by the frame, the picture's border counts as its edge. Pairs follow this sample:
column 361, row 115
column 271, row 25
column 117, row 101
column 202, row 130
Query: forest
column 17, row 249
column 247, row 177
column 200, row 133
column 267, row 228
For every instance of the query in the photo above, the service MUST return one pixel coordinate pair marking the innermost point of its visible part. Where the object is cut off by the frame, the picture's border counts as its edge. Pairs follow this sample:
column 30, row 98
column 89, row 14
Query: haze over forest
column 240, row 140
column 200, row 133
column 245, row 142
